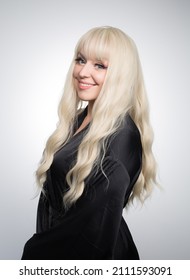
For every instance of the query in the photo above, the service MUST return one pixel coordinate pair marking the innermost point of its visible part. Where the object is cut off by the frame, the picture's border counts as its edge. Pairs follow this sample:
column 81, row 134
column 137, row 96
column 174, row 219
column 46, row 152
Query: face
column 89, row 76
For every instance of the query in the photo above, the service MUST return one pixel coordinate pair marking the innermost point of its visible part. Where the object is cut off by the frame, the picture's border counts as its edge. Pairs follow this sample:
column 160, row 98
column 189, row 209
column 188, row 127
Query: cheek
column 101, row 78
column 75, row 71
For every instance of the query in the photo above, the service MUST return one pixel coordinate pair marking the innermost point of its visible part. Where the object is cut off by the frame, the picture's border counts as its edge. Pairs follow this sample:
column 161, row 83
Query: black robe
column 93, row 228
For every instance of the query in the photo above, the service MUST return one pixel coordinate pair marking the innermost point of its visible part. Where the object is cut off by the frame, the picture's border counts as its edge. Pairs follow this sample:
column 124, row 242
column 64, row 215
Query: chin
column 86, row 98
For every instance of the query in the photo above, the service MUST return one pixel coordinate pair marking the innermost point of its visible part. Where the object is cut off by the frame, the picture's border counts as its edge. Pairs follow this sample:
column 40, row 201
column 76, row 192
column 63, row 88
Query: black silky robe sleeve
column 126, row 149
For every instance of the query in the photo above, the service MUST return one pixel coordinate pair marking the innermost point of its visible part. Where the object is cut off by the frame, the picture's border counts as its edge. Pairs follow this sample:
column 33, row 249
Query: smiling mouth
column 85, row 85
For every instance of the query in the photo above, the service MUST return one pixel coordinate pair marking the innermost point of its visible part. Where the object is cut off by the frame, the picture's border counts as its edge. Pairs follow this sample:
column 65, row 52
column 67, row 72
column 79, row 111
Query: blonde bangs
column 95, row 45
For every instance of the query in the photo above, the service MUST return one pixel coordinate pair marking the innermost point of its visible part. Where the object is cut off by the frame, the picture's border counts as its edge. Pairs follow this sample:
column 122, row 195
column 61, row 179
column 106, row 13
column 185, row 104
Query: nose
column 85, row 71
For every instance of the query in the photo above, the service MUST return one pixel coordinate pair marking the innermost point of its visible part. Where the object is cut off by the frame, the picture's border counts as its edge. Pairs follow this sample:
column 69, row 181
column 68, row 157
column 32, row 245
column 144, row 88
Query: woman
column 98, row 158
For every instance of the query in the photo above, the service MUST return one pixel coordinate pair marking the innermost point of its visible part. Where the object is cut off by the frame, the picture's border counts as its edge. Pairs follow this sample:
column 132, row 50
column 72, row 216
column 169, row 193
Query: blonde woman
column 99, row 158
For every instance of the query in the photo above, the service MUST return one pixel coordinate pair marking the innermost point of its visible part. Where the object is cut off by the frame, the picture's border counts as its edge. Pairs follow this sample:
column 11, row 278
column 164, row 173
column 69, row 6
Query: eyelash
column 80, row 60
column 100, row 66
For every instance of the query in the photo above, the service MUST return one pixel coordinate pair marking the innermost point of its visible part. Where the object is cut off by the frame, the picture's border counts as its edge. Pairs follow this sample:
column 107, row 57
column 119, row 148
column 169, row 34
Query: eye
column 80, row 60
column 100, row 66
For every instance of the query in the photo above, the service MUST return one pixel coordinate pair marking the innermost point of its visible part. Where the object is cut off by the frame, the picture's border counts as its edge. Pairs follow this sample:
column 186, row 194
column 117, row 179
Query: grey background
column 37, row 42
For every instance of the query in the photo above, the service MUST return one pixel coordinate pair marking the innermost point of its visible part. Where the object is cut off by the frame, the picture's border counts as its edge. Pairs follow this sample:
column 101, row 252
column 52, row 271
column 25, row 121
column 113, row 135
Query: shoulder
column 128, row 133
column 125, row 146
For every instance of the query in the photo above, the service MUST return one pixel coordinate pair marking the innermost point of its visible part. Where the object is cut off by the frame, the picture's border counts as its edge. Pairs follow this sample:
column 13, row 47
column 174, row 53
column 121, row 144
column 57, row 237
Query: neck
column 89, row 113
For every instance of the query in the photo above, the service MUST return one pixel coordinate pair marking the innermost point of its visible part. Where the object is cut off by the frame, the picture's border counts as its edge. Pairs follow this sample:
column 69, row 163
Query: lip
column 85, row 85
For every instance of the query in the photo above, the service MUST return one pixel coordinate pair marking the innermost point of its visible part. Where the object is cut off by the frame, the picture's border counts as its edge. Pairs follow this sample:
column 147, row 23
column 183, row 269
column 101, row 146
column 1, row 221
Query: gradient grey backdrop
column 37, row 42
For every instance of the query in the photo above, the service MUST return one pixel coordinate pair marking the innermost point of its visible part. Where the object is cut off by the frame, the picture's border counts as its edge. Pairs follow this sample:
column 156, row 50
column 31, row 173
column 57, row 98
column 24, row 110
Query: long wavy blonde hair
column 123, row 92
